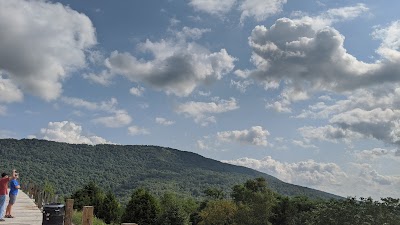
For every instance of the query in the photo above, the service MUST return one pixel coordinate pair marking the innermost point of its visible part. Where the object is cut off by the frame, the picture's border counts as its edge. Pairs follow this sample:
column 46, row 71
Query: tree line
column 250, row 203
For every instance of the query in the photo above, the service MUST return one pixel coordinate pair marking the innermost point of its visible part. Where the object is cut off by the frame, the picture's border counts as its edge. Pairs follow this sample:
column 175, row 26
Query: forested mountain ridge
column 123, row 168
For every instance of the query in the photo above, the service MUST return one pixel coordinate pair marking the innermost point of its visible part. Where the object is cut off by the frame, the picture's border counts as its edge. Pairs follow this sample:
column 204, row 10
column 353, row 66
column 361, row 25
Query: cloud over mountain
column 69, row 132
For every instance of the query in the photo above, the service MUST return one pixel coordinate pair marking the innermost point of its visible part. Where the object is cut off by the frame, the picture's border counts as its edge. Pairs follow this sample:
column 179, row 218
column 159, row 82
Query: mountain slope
column 123, row 168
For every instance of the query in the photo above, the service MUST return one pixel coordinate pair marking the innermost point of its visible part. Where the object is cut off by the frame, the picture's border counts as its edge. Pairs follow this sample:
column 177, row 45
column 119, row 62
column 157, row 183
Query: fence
column 41, row 198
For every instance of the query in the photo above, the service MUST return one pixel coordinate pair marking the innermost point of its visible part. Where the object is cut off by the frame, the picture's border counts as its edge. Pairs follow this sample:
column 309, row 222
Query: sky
column 307, row 91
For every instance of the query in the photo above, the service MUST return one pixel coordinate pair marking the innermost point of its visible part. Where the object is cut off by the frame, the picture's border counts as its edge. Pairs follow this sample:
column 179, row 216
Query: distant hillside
column 124, row 168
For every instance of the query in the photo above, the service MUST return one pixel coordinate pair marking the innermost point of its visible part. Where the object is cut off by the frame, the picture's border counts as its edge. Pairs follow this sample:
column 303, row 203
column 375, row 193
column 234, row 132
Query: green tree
column 143, row 208
column 110, row 211
column 255, row 202
column 291, row 210
column 90, row 195
column 214, row 193
column 219, row 212
column 172, row 211
column 49, row 189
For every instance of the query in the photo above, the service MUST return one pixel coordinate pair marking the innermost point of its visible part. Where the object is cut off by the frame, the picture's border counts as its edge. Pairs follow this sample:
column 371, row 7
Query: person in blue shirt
column 14, row 187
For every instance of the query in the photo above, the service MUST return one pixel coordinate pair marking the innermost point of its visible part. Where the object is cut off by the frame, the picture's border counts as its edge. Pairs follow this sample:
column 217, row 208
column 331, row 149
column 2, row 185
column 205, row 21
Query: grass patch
column 77, row 219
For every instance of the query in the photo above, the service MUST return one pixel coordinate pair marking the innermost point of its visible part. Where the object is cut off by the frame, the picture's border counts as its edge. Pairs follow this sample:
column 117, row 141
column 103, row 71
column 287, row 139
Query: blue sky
column 306, row 91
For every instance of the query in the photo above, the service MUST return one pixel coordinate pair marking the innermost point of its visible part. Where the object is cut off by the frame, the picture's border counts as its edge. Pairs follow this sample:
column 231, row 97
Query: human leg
column 10, row 205
column 2, row 205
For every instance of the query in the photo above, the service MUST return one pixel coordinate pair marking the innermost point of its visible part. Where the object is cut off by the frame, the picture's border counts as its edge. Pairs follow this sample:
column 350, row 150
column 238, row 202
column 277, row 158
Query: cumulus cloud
column 305, row 59
column 68, row 132
column 135, row 130
column 256, row 9
column 164, row 121
column 36, row 61
column 137, row 91
column 260, row 9
column 202, row 112
column 330, row 177
column 379, row 124
column 328, row 133
column 308, row 173
column 213, row 7
column 256, row 135
column 374, row 154
column 9, row 92
column 335, row 15
column 177, row 64
column 373, row 178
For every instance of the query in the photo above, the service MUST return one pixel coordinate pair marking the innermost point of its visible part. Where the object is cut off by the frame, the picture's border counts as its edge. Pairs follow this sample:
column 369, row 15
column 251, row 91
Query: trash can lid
column 53, row 205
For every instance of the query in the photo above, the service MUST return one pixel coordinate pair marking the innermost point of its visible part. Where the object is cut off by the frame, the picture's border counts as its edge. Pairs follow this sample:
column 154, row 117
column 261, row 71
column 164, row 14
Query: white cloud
column 212, row 6
column 137, row 91
column 329, row 177
column 135, row 130
column 256, row 9
column 308, row 173
column 68, row 132
column 164, row 121
column 201, row 111
column 177, row 65
column 334, row 15
column 201, row 144
column 328, row 133
column 202, row 93
column 307, row 59
column 374, row 154
column 383, row 185
column 104, row 78
column 120, row 118
column 304, row 144
column 379, row 124
column 260, row 9
column 256, row 135
column 389, row 35
column 241, row 85
column 36, row 61
column 279, row 106
column 108, row 106
column 9, row 92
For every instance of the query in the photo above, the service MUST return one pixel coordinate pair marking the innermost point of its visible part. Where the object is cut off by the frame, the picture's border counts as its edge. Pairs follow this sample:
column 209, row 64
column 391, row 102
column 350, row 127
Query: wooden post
column 40, row 200
column 69, row 209
column 87, row 216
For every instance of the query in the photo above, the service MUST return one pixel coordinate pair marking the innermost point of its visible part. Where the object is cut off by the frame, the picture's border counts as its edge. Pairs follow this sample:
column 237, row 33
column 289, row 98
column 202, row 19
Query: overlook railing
column 41, row 198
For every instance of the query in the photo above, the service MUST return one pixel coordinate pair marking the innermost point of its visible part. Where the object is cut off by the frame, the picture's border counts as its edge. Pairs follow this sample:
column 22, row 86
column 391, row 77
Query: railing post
column 69, row 209
column 40, row 200
column 87, row 216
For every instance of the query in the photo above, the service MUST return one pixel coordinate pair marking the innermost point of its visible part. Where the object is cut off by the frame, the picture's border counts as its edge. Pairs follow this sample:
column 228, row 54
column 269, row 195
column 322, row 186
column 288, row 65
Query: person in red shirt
column 4, row 191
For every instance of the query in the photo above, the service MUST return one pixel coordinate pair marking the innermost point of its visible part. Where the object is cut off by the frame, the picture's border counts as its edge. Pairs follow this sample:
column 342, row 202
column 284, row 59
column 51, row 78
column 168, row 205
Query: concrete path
column 25, row 212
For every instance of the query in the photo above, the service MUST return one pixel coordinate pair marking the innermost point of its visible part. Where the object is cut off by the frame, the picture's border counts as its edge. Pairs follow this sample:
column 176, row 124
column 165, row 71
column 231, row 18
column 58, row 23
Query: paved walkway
column 25, row 212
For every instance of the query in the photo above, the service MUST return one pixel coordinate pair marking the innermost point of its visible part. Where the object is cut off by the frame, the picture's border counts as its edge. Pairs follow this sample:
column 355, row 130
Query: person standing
column 4, row 191
column 14, row 187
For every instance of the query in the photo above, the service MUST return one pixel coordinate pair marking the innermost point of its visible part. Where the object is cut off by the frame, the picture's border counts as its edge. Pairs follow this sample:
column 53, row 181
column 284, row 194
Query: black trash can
column 53, row 214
